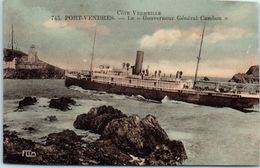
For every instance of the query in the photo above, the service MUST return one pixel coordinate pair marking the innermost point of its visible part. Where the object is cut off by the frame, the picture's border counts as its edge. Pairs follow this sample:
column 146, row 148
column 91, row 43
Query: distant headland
column 251, row 76
column 19, row 65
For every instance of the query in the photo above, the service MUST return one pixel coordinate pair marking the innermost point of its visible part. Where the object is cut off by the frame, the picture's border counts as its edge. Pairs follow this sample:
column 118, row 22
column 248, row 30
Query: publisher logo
column 28, row 153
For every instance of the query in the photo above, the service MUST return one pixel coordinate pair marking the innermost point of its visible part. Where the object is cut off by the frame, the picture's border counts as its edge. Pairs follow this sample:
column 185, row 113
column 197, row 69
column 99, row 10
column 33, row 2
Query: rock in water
column 27, row 101
column 134, row 135
column 97, row 118
column 5, row 126
column 51, row 118
column 30, row 129
column 171, row 154
column 62, row 103
column 205, row 78
column 251, row 76
column 107, row 153
column 253, row 70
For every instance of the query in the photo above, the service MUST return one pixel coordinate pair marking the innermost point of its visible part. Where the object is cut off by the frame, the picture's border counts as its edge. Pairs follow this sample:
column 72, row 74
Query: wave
column 119, row 97
column 115, row 96
column 143, row 99
column 167, row 100
column 81, row 90
column 34, row 116
column 42, row 101
column 77, row 88
column 140, row 97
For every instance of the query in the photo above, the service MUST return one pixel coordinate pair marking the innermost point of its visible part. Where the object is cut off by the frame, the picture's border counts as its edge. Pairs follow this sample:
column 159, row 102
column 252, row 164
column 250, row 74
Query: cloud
column 161, row 37
column 169, row 37
column 219, row 33
column 76, row 24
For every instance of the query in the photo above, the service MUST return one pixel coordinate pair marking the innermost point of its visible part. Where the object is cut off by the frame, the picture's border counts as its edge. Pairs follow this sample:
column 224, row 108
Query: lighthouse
column 32, row 55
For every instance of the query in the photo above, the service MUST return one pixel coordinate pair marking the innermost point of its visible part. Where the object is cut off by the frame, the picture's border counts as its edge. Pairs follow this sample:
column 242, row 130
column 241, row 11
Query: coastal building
column 18, row 64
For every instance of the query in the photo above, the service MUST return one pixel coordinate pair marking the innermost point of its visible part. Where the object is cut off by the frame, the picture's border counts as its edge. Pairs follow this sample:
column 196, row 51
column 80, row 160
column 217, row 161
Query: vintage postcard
column 134, row 82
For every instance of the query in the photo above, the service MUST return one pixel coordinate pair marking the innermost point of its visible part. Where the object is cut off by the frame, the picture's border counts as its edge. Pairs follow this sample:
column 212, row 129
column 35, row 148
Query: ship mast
column 92, row 54
column 12, row 40
column 198, row 58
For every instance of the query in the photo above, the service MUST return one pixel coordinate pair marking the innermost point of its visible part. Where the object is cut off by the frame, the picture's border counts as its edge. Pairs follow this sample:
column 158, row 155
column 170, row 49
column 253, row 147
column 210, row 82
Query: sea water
column 211, row 136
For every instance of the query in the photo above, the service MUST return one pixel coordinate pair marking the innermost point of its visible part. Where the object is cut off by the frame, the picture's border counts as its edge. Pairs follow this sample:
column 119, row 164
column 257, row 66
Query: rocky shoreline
column 124, row 140
column 50, row 72
column 251, row 76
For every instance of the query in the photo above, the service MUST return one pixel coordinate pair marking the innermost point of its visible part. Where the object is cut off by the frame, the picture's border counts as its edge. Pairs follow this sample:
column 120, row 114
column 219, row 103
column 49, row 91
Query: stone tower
column 32, row 54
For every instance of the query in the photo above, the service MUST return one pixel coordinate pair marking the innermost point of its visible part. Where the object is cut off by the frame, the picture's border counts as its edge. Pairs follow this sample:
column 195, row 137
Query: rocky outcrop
column 5, row 126
column 27, row 101
column 64, row 137
column 251, row 76
column 105, row 152
column 169, row 154
column 124, row 141
column 97, row 118
column 63, row 148
column 142, row 138
column 205, row 78
column 13, row 147
column 24, row 69
column 46, row 73
column 135, row 135
column 62, row 103
column 51, row 153
column 253, row 70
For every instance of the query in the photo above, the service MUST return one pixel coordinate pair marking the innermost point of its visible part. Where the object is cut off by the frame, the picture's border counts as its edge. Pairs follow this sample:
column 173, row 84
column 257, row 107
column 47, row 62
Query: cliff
column 251, row 76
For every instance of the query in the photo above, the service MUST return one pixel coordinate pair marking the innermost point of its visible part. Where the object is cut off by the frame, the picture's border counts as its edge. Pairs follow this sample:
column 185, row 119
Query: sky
column 230, row 45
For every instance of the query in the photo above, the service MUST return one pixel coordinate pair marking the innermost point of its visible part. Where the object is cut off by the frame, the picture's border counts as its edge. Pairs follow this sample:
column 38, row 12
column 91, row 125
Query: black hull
column 200, row 98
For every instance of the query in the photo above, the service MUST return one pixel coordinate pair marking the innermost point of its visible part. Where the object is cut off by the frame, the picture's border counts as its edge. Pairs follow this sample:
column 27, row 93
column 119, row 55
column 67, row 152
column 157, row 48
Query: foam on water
column 167, row 100
column 34, row 115
column 139, row 97
column 115, row 96
column 77, row 88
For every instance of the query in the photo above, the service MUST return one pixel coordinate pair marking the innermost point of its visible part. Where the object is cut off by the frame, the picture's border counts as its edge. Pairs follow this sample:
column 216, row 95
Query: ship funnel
column 138, row 62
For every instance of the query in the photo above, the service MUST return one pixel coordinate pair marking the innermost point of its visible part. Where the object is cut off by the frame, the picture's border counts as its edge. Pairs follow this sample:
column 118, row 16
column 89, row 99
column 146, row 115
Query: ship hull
column 195, row 97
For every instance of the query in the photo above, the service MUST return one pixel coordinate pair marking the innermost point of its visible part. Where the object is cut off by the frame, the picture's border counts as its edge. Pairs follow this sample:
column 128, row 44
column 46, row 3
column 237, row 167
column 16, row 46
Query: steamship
column 133, row 80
